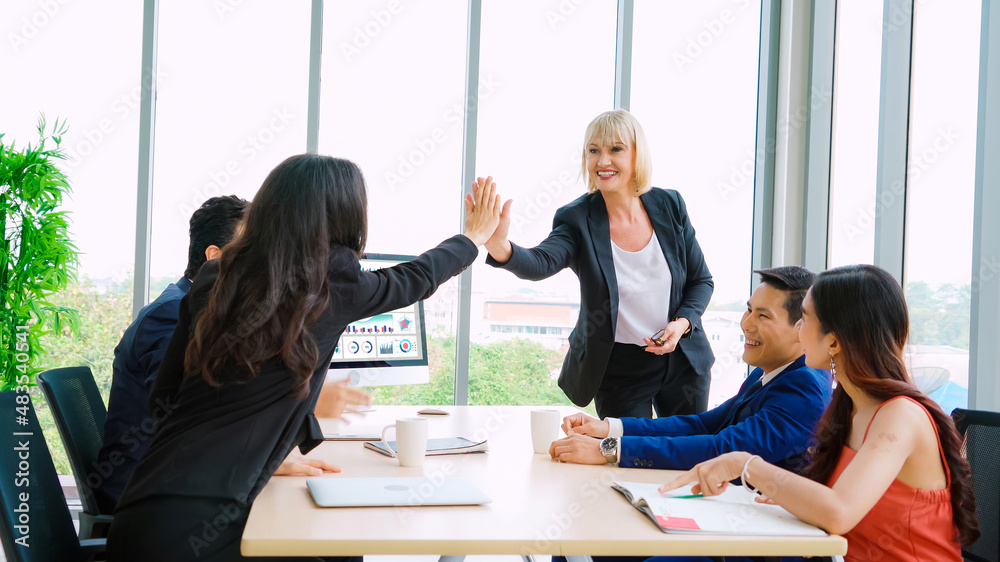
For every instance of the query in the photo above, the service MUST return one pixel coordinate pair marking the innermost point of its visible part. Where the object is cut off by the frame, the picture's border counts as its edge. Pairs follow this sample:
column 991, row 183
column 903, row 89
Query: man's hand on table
column 296, row 464
column 585, row 425
column 337, row 398
column 579, row 449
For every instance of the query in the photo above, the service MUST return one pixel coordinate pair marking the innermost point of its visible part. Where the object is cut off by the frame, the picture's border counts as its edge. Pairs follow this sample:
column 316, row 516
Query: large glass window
column 550, row 71
column 82, row 64
column 393, row 101
column 854, row 146
column 694, row 88
column 231, row 104
column 944, row 88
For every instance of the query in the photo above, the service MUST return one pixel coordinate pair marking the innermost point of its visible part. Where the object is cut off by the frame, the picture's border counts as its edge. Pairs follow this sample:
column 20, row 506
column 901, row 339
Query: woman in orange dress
column 887, row 472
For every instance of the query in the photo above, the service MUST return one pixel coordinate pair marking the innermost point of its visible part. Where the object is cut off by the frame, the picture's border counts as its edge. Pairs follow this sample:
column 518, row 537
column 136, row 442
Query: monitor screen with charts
column 389, row 348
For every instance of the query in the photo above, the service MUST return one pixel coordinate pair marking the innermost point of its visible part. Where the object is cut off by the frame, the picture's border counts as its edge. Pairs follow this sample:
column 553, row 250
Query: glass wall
column 941, row 166
column 81, row 64
column 854, row 146
column 393, row 91
column 694, row 89
column 544, row 87
column 230, row 106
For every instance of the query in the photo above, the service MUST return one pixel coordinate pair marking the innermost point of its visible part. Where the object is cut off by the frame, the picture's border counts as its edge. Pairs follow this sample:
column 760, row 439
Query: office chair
column 35, row 524
column 980, row 432
column 79, row 413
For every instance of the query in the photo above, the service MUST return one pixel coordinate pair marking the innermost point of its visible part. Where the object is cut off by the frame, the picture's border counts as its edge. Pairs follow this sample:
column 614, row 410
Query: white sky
column 232, row 104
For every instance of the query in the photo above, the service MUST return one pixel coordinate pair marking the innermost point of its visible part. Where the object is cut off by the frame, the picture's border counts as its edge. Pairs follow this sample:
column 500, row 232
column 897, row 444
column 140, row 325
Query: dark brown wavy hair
column 272, row 283
column 864, row 307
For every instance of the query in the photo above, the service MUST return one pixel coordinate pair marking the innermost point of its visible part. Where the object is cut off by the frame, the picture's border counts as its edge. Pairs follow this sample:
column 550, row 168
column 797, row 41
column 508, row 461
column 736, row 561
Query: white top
column 643, row 292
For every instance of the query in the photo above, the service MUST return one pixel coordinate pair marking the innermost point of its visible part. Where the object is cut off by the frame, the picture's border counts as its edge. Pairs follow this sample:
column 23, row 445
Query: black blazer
column 581, row 240
column 226, row 442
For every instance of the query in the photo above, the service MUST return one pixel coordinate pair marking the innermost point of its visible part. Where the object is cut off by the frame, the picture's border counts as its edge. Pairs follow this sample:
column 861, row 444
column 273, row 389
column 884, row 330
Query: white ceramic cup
column 544, row 429
column 411, row 441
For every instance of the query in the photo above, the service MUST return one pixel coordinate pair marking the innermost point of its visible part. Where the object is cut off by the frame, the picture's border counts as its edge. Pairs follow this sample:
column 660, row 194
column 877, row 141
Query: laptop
column 394, row 492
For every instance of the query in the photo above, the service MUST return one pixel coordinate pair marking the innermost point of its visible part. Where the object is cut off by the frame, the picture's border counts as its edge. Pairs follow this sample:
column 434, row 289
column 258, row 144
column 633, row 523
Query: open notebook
column 733, row 512
column 443, row 446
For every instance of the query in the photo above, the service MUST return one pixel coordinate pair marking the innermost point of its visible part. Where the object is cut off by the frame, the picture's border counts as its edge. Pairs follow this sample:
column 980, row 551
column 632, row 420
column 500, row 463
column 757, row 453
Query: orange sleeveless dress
column 907, row 524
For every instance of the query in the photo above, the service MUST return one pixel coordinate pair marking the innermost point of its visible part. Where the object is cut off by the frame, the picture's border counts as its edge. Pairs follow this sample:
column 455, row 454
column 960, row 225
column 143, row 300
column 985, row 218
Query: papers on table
column 733, row 512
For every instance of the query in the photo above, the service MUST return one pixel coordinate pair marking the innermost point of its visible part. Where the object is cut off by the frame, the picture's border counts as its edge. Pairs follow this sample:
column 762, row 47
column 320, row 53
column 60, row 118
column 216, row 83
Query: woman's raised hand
column 497, row 245
column 482, row 212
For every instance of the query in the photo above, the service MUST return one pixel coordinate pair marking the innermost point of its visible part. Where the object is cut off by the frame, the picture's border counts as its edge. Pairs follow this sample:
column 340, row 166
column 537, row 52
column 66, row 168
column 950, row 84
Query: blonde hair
column 621, row 126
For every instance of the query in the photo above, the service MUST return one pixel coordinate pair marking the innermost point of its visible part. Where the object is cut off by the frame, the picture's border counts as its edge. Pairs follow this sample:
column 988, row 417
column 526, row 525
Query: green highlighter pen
column 686, row 497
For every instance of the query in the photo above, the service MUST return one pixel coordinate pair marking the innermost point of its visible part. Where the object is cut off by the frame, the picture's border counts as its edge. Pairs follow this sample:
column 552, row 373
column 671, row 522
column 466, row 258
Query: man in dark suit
column 130, row 424
column 774, row 414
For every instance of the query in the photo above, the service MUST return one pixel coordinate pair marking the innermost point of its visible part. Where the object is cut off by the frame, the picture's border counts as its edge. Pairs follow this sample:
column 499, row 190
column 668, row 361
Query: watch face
column 609, row 444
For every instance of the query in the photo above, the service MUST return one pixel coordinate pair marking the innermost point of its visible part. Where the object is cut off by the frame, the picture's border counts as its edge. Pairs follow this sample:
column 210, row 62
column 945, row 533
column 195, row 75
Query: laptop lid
column 392, row 492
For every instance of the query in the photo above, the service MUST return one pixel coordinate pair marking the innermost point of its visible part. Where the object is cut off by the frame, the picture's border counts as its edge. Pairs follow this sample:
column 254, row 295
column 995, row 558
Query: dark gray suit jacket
column 581, row 240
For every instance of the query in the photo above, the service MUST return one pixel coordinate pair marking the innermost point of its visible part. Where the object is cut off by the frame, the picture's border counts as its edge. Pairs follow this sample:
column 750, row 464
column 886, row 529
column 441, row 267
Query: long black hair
column 272, row 283
column 864, row 307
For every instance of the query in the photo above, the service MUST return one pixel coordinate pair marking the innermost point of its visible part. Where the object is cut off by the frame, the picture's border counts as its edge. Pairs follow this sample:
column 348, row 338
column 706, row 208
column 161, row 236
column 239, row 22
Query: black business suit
column 581, row 240
column 217, row 447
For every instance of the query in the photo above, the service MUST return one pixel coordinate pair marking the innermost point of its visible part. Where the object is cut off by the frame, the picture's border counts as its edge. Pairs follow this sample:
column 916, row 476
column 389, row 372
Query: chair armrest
column 93, row 549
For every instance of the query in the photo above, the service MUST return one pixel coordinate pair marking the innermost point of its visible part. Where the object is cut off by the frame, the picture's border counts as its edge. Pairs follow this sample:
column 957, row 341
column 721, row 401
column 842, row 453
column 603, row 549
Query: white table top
column 540, row 506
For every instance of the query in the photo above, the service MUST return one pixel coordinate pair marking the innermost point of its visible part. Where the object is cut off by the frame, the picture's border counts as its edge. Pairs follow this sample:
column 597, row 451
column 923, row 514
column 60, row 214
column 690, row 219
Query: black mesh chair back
column 35, row 524
column 79, row 413
column 980, row 433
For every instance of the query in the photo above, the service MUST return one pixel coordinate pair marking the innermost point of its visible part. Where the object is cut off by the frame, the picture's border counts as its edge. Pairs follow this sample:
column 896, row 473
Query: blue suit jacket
column 776, row 421
column 129, row 428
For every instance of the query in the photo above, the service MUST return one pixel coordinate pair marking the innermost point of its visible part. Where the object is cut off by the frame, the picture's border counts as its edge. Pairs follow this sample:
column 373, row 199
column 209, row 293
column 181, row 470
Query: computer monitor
column 389, row 348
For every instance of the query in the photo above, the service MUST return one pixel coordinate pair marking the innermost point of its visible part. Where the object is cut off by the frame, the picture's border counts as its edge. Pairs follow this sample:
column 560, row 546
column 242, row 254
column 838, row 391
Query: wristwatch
column 609, row 448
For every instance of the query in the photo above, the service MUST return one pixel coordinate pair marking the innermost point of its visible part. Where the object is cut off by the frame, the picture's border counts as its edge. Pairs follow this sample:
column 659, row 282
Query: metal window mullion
column 469, row 135
column 147, row 126
column 984, row 354
column 767, row 121
column 819, row 133
column 315, row 69
column 623, row 54
column 893, row 134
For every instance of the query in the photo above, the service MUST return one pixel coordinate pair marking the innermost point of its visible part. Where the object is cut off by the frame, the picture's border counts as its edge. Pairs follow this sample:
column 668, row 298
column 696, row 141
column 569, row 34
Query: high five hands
column 482, row 212
column 497, row 244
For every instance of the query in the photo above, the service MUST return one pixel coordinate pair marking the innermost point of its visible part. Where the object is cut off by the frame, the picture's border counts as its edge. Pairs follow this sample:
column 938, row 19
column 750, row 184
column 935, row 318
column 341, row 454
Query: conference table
column 540, row 506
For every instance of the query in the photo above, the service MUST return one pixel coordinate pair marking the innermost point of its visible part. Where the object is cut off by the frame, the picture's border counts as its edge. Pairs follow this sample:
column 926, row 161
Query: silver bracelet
column 744, row 476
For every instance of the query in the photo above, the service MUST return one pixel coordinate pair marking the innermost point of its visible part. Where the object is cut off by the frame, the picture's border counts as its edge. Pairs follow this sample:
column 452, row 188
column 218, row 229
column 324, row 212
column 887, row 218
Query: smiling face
column 611, row 166
column 770, row 340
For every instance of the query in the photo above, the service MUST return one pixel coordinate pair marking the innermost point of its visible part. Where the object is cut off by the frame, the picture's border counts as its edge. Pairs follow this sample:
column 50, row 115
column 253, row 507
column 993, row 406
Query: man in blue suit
column 774, row 415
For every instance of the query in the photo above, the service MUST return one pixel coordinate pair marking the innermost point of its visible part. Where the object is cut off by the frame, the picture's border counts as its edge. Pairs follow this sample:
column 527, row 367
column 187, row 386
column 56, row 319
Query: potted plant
column 37, row 259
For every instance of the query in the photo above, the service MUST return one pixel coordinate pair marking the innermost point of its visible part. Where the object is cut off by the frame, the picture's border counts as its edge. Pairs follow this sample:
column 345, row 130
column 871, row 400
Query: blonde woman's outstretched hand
column 482, row 212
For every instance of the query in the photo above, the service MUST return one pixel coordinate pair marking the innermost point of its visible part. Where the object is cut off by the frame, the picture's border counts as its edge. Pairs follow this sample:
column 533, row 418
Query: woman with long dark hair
column 243, row 371
column 887, row 472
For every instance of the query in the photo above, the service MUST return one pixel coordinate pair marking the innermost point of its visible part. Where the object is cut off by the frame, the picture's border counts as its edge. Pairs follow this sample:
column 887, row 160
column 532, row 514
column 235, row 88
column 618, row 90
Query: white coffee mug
column 411, row 441
column 544, row 429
